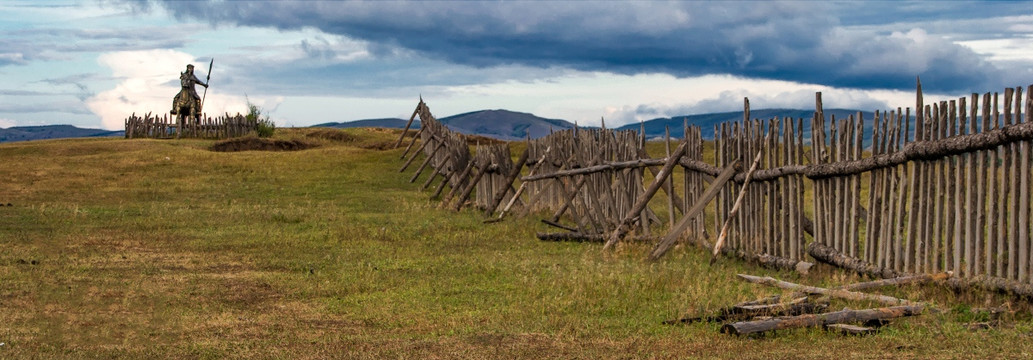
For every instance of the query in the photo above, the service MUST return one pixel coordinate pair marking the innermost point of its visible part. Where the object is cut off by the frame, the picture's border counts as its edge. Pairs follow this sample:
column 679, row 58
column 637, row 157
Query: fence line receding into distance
column 945, row 186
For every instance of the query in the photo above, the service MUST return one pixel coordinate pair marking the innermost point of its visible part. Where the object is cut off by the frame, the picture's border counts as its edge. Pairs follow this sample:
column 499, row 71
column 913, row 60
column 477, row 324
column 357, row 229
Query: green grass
column 163, row 249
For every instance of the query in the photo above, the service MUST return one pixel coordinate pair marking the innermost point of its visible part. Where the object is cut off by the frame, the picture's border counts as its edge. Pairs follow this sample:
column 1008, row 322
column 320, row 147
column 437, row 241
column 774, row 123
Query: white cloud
column 149, row 81
column 6, row 123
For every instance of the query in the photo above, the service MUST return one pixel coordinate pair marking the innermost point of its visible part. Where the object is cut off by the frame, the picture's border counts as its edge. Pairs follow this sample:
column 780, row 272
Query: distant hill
column 390, row 123
column 26, row 133
column 498, row 124
column 504, row 124
column 655, row 128
column 511, row 125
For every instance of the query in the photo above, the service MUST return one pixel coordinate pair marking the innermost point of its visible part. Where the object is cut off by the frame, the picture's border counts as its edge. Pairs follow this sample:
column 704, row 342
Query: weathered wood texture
column 165, row 127
column 815, row 320
column 837, row 293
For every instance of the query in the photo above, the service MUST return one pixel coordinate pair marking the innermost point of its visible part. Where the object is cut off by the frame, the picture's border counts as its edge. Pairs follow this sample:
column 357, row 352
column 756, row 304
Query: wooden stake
column 735, row 208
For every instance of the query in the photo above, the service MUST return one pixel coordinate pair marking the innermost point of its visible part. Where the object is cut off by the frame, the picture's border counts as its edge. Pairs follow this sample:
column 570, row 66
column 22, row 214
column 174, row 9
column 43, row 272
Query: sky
column 93, row 63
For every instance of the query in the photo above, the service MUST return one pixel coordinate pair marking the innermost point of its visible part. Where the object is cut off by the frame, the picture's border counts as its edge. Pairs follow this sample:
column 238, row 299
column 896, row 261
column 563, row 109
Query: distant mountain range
column 25, row 133
column 510, row 125
column 499, row 124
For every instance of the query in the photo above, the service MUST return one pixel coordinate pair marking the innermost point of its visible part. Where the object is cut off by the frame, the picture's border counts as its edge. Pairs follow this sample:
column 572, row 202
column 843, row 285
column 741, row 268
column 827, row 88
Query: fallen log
column 780, row 263
column 910, row 279
column 847, row 329
column 582, row 237
column 815, row 320
column 996, row 284
column 903, row 280
column 833, row 257
column 751, row 309
column 570, row 236
column 838, row 293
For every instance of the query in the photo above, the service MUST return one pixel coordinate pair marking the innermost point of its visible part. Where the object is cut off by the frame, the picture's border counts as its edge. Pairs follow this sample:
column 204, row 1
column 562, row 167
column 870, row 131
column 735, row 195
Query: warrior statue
column 186, row 104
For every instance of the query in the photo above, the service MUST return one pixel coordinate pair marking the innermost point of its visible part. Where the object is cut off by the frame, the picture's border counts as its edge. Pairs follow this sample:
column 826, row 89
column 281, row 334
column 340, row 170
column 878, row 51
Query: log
column 903, row 280
column 571, row 236
column 582, row 237
column 837, row 293
column 847, row 329
column 831, row 256
column 991, row 283
column 643, row 199
column 826, row 319
column 926, row 150
column 923, row 150
column 780, row 263
column 708, row 195
column 597, row 168
column 742, row 311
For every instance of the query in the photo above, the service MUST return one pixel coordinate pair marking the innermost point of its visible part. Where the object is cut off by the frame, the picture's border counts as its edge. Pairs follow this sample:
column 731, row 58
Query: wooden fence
column 948, row 189
column 165, row 127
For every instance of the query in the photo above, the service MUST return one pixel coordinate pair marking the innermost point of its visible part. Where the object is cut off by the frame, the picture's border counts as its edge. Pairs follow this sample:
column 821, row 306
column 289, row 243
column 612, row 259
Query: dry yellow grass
column 163, row 249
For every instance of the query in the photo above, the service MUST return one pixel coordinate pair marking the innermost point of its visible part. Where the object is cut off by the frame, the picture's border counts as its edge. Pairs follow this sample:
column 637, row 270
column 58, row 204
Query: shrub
column 266, row 127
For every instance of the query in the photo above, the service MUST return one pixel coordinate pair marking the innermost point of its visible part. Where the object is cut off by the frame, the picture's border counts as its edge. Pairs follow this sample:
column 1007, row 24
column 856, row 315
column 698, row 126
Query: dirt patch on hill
column 260, row 144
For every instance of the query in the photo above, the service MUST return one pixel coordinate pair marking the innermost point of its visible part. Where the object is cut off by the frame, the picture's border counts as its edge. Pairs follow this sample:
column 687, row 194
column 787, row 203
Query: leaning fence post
column 643, row 200
column 701, row 204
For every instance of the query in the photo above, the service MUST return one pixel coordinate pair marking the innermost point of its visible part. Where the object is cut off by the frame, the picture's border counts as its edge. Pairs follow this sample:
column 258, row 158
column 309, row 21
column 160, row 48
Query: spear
column 206, row 79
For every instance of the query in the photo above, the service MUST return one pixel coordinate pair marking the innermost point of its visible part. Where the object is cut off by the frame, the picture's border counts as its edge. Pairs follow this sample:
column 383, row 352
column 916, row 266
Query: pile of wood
column 808, row 307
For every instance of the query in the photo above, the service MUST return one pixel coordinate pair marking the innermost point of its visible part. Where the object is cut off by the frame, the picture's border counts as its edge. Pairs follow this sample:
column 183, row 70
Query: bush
column 266, row 127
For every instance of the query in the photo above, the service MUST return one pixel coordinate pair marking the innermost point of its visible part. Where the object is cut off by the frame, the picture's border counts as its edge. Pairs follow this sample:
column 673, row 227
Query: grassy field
column 164, row 249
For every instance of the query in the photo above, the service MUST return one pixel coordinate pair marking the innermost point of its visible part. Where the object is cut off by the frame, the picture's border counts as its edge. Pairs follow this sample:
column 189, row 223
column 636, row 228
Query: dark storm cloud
column 796, row 41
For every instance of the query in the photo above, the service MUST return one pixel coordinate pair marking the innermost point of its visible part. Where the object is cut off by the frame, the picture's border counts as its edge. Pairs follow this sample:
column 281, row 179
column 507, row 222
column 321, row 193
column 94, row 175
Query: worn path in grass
column 164, row 249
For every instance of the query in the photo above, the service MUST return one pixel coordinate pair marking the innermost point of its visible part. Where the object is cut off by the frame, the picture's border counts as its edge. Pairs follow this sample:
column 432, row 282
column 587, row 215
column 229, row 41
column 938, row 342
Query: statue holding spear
column 186, row 104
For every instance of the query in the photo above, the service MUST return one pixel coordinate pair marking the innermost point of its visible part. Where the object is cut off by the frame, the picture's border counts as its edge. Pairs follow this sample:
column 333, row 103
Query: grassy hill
column 118, row 248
